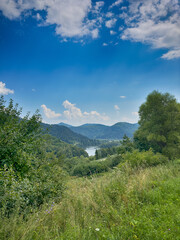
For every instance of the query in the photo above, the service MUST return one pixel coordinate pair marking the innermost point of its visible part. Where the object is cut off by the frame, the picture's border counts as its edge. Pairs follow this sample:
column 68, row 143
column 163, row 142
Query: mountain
column 67, row 135
column 64, row 124
column 118, row 130
column 92, row 131
column 99, row 131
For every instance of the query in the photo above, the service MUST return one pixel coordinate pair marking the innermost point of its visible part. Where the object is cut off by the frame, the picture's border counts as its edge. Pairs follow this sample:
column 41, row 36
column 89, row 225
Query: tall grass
column 123, row 204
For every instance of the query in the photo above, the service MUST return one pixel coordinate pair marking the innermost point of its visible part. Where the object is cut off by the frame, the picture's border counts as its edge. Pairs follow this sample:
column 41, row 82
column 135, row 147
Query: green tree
column 19, row 138
column 29, row 176
column 159, row 125
column 126, row 145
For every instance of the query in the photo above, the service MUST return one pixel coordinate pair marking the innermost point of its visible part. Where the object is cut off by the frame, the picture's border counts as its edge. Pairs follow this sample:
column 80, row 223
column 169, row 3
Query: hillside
column 99, row 131
column 67, row 135
column 62, row 149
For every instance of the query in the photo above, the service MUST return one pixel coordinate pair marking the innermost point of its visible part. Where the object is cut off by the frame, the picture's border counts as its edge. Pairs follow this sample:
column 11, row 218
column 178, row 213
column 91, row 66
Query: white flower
column 97, row 229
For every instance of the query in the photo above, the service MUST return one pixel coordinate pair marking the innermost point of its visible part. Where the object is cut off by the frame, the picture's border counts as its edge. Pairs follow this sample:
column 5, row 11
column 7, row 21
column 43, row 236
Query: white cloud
column 98, row 5
column 74, row 115
column 152, row 22
column 156, row 23
column 109, row 14
column 73, row 112
column 105, row 44
column 95, row 33
column 50, row 113
column 4, row 90
column 122, row 97
column 110, row 23
column 172, row 54
column 69, row 16
column 10, row 9
column 116, row 3
column 112, row 32
column 116, row 107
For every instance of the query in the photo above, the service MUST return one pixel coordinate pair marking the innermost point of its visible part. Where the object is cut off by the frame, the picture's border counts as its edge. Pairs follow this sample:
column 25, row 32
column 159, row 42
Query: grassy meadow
column 126, row 203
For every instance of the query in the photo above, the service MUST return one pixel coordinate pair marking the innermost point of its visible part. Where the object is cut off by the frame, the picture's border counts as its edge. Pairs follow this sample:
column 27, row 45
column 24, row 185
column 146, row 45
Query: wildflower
column 97, row 229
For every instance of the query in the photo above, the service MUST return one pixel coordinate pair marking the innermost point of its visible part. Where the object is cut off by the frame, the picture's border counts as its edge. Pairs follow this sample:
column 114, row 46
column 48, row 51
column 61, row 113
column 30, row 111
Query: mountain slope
column 99, row 131
column 68, row 136
column 92, row 131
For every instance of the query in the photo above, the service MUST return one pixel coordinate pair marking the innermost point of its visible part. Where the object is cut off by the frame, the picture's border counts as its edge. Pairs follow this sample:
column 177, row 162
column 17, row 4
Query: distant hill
column 99, row 131
column 60, row 148
column 67, row 135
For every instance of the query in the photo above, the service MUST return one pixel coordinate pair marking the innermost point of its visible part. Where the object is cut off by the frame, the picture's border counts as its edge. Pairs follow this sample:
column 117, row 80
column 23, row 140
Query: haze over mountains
column 100, row 131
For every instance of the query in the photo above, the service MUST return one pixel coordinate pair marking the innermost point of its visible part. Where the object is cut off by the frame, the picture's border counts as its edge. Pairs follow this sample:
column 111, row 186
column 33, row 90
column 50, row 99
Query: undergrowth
column 127, row 203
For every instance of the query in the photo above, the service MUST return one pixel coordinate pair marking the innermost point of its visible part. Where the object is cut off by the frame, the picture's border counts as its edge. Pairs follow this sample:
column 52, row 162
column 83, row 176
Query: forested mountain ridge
column 67, row 135
column 100, row 131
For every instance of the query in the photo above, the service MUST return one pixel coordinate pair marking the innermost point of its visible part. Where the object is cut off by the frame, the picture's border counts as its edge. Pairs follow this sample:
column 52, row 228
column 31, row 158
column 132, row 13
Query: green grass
column 124, row 204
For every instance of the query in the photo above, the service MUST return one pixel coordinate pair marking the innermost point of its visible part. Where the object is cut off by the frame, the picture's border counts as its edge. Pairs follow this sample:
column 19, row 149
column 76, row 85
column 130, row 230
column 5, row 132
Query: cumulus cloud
column 152, row 22
column 69, row 16
column 4, row 90
column 116, row 107
column 122, row 97
column 112, row 32
column 10, row 9
column 74, row 114
column 156, row 23
column 50, row 113
column 110, row 23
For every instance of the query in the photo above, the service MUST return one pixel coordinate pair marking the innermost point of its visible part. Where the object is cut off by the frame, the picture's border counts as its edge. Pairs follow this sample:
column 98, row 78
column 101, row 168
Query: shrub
column 21, row 195
column 29, row 176
column 89, row 169
column 143, row 159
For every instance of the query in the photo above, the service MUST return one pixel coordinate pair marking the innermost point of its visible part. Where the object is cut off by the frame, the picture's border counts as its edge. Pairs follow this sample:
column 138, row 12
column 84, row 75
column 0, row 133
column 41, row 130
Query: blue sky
column 83, row 61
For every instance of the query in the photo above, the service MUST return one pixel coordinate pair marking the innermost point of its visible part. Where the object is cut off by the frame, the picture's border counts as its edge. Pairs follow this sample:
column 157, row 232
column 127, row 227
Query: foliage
column 159, row 125
column 21, row 195
column 138, row 159
column 62, row 149
column 70, row 163
column 126, row 145
column 29, row 176
column 67, row 135
column 19, row 138
column 95, row 167
column 109, row 144
column 99, row 131
column 104, row 152
column 136, row 204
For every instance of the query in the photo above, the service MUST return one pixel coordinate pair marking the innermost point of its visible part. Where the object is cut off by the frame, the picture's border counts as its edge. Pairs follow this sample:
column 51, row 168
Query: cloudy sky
column 88, row 61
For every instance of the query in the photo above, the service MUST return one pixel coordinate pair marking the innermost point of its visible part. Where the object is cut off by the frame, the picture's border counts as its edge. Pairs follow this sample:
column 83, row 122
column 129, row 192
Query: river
column 91, row 150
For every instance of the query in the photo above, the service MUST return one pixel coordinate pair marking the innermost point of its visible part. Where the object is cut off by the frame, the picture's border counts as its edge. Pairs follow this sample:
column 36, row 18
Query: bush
column 89, row 169
column 138, row 159
column 29, row 176
column 21, row 195
column 113, row 161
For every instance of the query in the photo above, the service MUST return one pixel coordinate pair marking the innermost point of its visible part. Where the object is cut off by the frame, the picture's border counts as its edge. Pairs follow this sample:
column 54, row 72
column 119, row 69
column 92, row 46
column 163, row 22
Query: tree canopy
column 159, row 125
column 19, row 137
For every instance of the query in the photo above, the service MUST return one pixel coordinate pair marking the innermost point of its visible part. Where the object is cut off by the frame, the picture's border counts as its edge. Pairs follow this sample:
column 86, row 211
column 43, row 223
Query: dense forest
column 99, row 131
column 50, row 189
column 65, row 134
